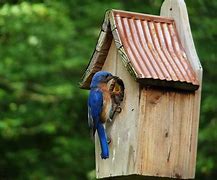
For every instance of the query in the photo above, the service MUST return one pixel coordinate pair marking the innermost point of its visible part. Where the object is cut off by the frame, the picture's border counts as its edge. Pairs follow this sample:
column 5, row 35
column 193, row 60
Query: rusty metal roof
column 150, row 49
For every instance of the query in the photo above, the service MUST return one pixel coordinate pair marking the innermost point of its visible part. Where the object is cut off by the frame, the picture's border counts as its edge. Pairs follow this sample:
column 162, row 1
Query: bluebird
column 99, row 105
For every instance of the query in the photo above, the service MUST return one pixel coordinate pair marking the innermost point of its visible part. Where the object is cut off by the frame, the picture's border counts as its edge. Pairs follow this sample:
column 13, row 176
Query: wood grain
column 165, row 134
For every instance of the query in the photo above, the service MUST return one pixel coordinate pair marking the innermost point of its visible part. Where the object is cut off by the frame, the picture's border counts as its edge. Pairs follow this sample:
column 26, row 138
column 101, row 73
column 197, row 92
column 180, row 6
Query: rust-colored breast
column 106, row 103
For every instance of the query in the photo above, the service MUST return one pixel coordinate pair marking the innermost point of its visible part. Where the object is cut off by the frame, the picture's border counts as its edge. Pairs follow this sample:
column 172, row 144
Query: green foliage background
column 45, row 46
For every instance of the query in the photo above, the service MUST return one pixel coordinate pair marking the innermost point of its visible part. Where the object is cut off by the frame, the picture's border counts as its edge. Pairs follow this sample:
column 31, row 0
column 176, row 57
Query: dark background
column 45, row 46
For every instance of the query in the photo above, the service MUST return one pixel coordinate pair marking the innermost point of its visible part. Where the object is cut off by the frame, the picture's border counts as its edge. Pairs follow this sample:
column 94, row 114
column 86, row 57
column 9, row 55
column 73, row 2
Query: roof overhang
column 149, row 47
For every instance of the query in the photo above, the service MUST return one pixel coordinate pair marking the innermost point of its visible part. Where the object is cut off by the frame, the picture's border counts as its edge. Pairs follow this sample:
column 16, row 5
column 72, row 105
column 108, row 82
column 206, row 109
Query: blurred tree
column 44, row 48
column 203, row 19
column 42, row 128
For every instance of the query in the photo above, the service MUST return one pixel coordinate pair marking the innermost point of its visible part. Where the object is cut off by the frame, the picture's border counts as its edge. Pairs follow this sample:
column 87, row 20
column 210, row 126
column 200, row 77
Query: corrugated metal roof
column 150, row 49
column 152, row 45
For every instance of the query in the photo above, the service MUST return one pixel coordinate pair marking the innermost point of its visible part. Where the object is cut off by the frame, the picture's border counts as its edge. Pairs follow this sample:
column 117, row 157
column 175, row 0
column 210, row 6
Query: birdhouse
column 156, row 132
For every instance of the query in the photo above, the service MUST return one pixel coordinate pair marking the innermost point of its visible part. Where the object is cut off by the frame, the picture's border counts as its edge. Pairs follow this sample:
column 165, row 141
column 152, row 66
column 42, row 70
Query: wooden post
column 178, row 11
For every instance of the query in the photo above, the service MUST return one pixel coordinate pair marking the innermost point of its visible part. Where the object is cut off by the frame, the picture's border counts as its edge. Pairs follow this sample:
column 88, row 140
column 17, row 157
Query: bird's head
column 101, row 77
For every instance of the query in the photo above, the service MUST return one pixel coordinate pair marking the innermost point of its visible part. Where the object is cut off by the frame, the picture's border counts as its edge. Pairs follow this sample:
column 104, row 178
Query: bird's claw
column 109, row 120
column 118, row 109
column 109, row 140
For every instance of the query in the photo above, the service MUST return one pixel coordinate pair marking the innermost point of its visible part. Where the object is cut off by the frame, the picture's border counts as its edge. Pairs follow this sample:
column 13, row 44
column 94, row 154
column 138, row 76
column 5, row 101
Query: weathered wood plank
column 123, row 130
column 166, row 128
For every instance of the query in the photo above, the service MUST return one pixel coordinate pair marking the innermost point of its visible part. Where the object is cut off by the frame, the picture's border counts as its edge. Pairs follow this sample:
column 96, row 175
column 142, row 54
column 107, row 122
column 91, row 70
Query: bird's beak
column 111, row 77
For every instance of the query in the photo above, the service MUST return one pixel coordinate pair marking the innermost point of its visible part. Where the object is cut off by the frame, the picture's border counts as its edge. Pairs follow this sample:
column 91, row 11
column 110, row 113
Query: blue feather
column 95, row 104
column 103, row 141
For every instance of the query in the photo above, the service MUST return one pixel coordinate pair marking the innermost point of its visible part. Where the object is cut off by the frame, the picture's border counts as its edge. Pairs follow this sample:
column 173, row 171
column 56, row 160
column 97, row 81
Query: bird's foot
column 118, row 109
column 109, row 140
column 109, row 120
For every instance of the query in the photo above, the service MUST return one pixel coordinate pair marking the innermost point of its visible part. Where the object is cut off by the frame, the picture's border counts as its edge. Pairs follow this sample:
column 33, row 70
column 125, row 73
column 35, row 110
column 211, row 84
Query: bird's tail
column 103, row 141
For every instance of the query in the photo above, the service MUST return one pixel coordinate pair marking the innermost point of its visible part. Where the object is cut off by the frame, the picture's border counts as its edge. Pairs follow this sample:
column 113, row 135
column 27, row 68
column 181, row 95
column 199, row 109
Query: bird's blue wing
column 90, row 118
column 95, row 103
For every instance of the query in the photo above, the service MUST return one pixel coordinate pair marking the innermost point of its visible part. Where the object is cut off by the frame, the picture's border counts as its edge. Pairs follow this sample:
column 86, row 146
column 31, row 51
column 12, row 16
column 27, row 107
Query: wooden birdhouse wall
column 167, row 133
column 124, row 129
